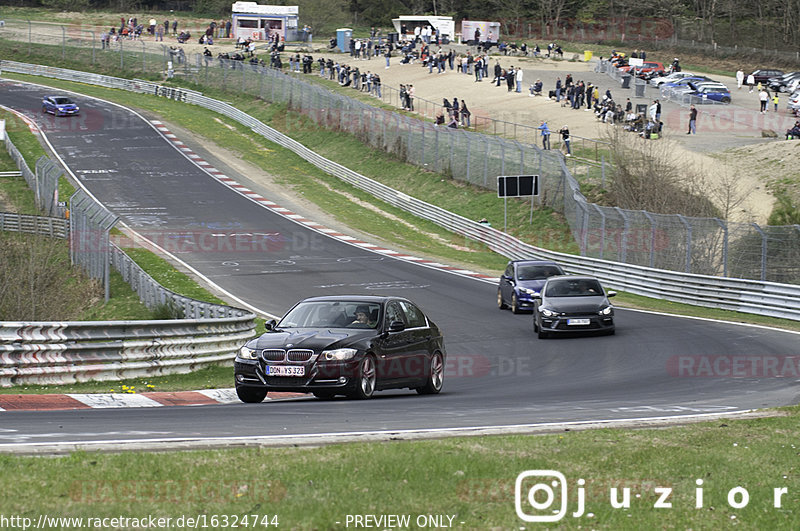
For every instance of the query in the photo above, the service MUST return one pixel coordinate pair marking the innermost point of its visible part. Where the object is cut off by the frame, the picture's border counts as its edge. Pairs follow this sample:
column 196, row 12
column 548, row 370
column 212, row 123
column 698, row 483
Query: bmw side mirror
column 270, row 325
column 397, row 326
column 611, row 293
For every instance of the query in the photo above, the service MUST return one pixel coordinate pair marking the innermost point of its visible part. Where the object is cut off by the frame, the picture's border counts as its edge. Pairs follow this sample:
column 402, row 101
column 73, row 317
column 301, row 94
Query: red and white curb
column 297, row 218
column 54, row 402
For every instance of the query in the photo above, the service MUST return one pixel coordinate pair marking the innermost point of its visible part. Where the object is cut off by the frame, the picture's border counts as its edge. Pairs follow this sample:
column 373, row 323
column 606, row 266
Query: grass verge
column 471, row 480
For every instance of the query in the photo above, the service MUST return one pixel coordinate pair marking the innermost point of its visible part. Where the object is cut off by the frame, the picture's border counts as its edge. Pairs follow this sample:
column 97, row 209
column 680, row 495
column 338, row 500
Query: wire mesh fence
column 692, row 245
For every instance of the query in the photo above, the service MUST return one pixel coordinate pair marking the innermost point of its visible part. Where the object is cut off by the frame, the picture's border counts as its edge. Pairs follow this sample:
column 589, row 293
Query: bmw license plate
column 572, row 322
column 286, row 370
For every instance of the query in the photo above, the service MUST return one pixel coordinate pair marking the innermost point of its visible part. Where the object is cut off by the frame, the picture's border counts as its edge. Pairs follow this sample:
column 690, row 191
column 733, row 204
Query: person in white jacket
column 518, row 79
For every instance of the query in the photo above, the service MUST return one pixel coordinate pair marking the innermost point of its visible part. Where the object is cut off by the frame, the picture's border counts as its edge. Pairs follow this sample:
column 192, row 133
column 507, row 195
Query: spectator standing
column 228, row 29
column 763, row 97
column 775, row 101
column 751, row 80
column 564, row 132
column 739, row 78
column 545, row 135
column 510, row 75
column 411, row 92
column 175, row 27
column 465, row 114
column 518, row 78
column 692, row 121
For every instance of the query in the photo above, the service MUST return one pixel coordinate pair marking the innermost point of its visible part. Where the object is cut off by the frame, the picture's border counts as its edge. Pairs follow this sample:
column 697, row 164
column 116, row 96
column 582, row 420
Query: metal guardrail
column 29, row 224
column 68, row 352
column 751, row 296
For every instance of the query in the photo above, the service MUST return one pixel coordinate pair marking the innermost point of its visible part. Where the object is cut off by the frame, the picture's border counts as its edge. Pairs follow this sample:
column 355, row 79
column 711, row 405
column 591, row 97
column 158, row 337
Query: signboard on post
column 517, row 185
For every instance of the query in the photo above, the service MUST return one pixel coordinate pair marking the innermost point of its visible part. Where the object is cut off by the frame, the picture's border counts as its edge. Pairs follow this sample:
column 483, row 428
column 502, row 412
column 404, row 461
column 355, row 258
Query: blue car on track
column 59, row 106
column 523, row 279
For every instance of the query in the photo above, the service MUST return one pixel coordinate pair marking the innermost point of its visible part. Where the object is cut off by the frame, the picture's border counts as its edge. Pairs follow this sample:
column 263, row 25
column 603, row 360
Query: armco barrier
column 68, row 352
column 750, row 296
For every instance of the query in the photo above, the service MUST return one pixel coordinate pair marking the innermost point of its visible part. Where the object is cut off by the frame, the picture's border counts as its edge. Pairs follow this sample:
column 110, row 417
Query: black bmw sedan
column 343, row 345
column 572, row 304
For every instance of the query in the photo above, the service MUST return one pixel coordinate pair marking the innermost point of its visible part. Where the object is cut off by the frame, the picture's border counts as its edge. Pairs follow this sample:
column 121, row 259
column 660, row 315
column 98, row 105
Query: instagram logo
column 541, row 495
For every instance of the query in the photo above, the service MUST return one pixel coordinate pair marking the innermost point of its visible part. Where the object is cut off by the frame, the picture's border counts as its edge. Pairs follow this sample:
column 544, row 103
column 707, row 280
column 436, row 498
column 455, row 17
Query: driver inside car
column 363, row 318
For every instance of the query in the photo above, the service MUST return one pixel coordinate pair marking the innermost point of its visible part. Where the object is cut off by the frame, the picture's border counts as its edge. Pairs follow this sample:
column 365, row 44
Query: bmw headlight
column 528, row 291
column 340, row 354
column 247, row 353
column 608, row 310
column 547, row 313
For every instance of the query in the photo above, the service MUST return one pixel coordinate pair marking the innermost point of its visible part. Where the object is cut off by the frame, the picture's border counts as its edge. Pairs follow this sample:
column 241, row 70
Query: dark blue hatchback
column 59, row 106
column 521, row 280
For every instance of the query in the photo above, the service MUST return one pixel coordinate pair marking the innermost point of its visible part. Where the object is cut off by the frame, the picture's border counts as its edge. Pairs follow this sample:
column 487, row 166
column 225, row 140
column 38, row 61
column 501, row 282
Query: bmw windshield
column 332, row 314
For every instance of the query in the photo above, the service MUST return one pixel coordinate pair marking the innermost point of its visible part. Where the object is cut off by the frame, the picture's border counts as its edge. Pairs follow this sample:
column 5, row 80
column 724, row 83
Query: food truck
column 261, row 22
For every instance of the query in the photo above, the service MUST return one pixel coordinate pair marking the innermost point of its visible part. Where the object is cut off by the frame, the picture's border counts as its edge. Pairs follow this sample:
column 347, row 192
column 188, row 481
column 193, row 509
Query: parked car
column 669, row 78
column 646, row 68
column 343, row 345
column 572, row 304
column 521, row 280
column 707, row 92
column 763, row 75
column 794, row 103
column 59, row 106
column 782, row 83
column 685, row 81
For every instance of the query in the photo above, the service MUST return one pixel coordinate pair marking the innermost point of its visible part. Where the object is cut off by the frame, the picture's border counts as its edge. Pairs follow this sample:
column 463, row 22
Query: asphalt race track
column 498, row 373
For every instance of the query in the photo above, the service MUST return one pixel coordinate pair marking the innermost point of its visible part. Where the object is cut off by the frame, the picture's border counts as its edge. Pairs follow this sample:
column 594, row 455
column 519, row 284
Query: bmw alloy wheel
column 366, row 379
column 435, row 376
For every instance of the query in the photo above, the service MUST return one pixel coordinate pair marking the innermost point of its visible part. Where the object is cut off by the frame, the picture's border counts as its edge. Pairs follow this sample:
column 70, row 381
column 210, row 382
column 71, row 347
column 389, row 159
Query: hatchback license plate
column 578, row 321
column 286, row 370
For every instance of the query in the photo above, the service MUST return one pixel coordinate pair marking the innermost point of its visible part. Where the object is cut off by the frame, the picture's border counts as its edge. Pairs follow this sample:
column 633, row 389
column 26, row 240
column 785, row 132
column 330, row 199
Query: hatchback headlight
column 547, row 313
column 340, row 354
column 528, row 291
column 247, row 353
column 608, row 310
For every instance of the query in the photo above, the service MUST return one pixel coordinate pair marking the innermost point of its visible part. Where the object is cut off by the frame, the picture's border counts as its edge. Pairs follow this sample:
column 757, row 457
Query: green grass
column 470, row 479
column 211, row 377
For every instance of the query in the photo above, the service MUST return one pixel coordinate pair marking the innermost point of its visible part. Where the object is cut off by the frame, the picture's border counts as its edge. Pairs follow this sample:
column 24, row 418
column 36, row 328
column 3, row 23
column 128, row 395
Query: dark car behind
column 572, row 304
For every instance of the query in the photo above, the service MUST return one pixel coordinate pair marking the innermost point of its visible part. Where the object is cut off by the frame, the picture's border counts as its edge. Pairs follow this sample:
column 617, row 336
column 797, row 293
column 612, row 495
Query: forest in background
column 764, row 24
